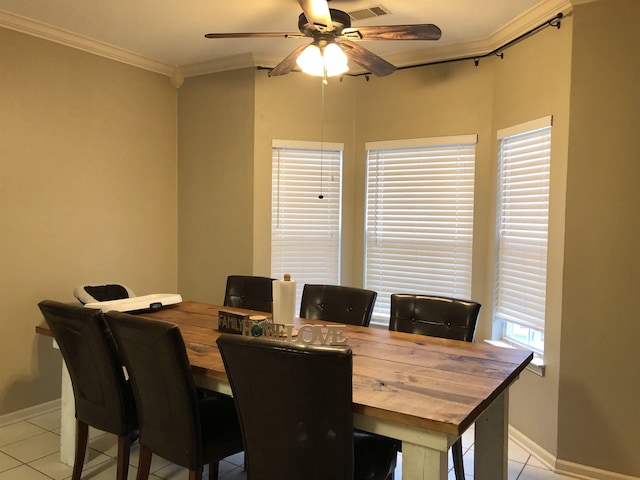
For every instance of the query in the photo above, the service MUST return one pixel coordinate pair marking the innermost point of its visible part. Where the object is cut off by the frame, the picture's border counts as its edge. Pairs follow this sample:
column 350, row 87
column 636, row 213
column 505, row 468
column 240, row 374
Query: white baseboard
column 533, row 448
column 583, row 471
column 564, row 467
column 30, row 412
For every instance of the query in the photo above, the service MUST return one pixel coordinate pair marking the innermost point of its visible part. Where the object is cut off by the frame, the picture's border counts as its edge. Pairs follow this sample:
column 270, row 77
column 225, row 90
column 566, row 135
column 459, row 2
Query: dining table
column 423, row 391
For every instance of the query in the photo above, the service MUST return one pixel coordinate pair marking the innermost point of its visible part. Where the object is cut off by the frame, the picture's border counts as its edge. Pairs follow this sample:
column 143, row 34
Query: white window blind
column 419, row 218
column 305, row 229
column 522, row 227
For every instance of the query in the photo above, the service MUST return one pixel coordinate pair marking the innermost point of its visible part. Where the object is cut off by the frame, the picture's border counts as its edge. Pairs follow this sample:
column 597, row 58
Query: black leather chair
column 102, row 293
column 337, row 304
column 103, row 397
column 175, row 422
column 252, row 293
column 435, row 316
column 295, row 408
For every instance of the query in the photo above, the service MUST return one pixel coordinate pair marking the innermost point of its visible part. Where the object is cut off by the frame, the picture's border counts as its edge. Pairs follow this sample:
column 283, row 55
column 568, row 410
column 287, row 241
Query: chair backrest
column 156, row 360
column 294, row 404
column 434, row 316
column 103, row 396
column 337, row 304
column 253, row 293
column 102, row 293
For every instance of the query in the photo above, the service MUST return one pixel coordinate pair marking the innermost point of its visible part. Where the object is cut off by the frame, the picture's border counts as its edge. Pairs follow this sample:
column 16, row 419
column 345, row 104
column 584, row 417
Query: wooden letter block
column 230, row 322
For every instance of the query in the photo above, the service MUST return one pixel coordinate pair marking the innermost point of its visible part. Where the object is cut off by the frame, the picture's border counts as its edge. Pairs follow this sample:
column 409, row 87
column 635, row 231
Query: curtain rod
column 499, row 52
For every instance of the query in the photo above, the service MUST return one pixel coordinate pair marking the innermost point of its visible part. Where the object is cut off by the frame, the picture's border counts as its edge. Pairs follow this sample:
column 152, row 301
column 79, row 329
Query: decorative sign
column 260, row 326
column 306, row 334
column 325, row 334
column 230, row 322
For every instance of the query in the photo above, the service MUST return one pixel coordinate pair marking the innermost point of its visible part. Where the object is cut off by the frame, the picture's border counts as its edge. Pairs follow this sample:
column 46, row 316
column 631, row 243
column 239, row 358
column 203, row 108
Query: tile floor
column 29, row 450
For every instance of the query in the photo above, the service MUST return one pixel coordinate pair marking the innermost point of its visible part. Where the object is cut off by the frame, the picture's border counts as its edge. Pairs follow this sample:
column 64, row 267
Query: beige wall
column 600, row 380
column 216, row 177
column 88, row 176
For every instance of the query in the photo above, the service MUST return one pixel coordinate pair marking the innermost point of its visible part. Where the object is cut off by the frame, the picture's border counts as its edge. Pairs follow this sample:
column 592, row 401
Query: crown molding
column 233, row 62
column 530, row 20
column 519, row 26
column 525, row 22
column 73, row 40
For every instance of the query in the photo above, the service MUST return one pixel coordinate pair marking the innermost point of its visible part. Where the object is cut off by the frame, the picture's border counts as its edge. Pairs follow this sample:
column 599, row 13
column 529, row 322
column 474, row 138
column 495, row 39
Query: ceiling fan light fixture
column 310, row 60
column 335, row 60
column 317, row 61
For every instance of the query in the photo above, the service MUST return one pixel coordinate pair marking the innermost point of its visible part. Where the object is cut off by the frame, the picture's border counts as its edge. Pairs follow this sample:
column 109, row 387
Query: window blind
column 522, row 223
column 305, row 230
column 419, row 218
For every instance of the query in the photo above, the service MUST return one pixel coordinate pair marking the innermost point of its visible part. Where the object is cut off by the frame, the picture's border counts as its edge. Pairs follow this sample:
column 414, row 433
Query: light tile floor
column 29, row 450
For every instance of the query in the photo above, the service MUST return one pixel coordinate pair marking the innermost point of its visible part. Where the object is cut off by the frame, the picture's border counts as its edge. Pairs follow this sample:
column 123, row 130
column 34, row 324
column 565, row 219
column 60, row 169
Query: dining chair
column 102, row 293
column 295, row 408
column 176, row 423
column 336, row 303
column 252, row 293
column 103, row 397
column 436, row 316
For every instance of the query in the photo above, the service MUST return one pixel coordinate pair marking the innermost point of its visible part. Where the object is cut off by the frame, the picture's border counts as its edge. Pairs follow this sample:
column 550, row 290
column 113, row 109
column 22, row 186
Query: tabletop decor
column 307, row 334
column 231, row 322
column 262, row 326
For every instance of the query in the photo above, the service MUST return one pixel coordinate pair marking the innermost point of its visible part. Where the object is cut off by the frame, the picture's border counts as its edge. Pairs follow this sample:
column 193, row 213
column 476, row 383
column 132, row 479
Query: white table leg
column 423, row 463
column 491, row 441
column 67, row 418
column 424, row 453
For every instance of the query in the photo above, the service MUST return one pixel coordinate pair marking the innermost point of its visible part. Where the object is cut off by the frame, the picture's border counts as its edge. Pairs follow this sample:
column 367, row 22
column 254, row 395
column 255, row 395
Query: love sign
column 322, row 334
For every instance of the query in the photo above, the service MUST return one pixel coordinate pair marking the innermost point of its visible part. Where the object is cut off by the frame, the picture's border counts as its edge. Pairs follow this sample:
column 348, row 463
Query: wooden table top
column 426, row 382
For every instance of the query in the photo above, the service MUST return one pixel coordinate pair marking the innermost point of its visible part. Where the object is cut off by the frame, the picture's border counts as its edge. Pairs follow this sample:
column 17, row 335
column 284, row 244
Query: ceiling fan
column 329, row 27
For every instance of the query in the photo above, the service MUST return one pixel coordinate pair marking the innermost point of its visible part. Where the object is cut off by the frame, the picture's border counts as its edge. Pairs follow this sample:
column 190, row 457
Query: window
column 419, row 218
column 306, row 212
column 522, row 225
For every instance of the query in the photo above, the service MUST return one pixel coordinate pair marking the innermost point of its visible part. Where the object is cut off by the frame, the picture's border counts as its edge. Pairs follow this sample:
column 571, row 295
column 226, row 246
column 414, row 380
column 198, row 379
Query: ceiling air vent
column 369, row 12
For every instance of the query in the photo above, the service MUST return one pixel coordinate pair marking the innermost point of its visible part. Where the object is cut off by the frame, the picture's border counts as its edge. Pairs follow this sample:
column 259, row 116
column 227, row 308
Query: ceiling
column 163, row 35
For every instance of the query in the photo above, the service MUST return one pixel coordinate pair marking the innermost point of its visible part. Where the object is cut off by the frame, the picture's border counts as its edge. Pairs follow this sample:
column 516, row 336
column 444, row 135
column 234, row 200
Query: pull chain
column 324, row 82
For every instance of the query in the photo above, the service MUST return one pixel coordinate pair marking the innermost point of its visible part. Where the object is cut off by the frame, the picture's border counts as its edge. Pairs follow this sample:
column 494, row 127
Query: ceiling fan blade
column 250, row 35
column 426, row 31
column 369, row 60
column 317, row 13
column 289, row 62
